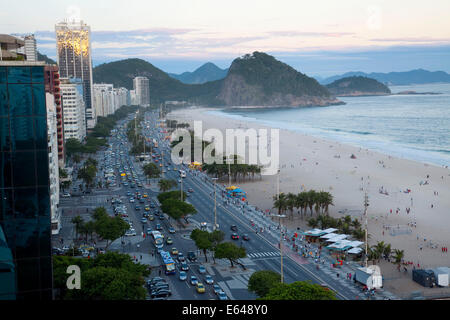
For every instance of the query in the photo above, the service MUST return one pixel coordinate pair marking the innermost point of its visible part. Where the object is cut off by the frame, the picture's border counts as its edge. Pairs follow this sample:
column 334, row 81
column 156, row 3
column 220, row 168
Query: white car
column 66, row 195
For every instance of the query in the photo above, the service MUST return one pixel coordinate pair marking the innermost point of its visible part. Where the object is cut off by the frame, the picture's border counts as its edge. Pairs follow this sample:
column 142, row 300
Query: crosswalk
column 254, row 255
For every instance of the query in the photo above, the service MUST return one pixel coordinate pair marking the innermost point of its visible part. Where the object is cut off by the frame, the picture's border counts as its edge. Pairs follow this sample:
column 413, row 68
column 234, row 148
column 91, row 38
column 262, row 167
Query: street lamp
column 215, row 205
column 281, row 251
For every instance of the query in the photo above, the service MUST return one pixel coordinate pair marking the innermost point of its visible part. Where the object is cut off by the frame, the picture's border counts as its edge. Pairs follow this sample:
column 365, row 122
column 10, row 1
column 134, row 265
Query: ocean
column 414, row 127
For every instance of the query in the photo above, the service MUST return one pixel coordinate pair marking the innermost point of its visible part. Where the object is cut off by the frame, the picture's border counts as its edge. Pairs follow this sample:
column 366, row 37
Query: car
column 174, row 251
column 222, row 296
column 209, row 279
column 216, row 288
column 144, row 220
column 131, row 200
column 171, row 230
column 141, row 200
column 151, row 217
column 169, row 240
column 161, row 217
column 235, row 236
column 161, row 294
column 145, row 195
column 200, row 287
column 246, row 237
column 184, row 266
column 152, row 205
column 180, row 257
column 233, row 228
column 191, row 256
column 130, row 233
column 158, row 227
column 190, row 190
column 137, row 208
column 194, row 280
column 147, row 208
column 66, row 195
column 149, row 231
column 183, row 275
column 159, row 286
column 145, row 215
column 201, row 269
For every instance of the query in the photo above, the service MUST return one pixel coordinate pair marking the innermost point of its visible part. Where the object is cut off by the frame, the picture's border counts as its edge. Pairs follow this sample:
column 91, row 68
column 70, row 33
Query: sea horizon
column 412, row 127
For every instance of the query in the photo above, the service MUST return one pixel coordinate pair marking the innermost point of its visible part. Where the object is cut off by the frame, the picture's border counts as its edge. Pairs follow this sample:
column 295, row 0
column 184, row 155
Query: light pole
column 366, row 204
column 181, row 179
column 215, row 205
column 281, row 233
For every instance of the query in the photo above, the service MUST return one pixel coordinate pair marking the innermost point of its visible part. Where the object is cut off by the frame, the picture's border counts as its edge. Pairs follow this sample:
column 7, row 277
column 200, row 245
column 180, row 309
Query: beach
column 308, row 162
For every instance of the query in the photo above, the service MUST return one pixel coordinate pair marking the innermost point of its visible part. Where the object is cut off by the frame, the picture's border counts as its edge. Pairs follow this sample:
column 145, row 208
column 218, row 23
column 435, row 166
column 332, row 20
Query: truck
column 441, row 274
column 370, row 277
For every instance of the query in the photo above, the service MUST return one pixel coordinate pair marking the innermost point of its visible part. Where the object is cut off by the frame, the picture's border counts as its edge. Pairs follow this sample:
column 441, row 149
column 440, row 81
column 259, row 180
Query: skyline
column 182, row 35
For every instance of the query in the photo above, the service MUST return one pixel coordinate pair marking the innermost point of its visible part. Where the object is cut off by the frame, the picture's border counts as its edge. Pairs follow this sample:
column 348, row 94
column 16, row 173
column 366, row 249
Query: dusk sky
column 315, row 37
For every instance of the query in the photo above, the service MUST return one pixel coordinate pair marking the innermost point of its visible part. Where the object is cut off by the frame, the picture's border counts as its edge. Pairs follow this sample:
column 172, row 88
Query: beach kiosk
column 195, row 165
column 235, row 192
column 313, row 235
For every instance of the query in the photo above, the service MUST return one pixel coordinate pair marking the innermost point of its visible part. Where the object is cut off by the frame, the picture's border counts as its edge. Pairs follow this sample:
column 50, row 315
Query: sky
column 320, row 37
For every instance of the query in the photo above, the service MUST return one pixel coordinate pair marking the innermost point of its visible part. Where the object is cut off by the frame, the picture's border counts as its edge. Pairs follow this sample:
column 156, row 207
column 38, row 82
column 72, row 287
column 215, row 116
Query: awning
column 329, row 235
column 355, row 250
column 355, row 244
column 330, row 230
column 313, row 233
column 337, row 238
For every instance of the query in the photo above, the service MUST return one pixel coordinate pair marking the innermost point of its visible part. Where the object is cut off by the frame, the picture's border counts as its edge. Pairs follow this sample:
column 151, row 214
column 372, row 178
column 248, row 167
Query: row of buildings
column 41, row 106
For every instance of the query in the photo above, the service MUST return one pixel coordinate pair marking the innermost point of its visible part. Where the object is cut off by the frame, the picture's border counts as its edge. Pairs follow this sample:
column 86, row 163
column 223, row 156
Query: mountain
column 207, row 72
column 43, row 57
column 357, row 86
column 253, row 80
column 162, row 87
column 418, row 76
column 261, row 80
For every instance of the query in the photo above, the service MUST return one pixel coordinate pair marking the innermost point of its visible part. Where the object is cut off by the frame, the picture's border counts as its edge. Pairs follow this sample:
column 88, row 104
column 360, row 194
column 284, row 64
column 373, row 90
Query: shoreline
column 308, row 162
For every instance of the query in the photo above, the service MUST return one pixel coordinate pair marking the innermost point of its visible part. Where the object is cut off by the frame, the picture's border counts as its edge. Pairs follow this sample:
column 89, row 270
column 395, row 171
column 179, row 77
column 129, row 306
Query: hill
column 207, row 72
column 162, row 87
column 261, row 80
column 43, row 57
column 418, row 76
column 357, row 86
column 253, row 80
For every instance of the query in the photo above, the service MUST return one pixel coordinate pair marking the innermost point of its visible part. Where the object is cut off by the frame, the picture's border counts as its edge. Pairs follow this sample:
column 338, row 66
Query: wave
column 352, row 131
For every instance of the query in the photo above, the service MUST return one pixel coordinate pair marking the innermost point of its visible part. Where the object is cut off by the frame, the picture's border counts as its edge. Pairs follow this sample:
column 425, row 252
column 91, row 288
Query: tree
column 166, row 185
column 299, row 290
column 170, row 195
column 111, row 228
column 87, row 174
column 230, row 251
column 177, row 209
column 262, row 281
column 151, row 170
column 202, row 241
column 78, row 222
column 280, row 203
column 398, row 256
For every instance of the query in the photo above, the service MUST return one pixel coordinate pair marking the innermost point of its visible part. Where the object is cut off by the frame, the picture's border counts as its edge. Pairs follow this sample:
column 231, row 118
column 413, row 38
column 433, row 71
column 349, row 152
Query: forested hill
column 261, row 80
column 358, row 86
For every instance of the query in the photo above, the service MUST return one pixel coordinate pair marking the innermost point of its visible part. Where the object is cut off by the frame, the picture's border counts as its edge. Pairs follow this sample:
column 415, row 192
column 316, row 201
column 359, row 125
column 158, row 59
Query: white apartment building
column 73, row 109
column 141, row 86
column 30, row 48
column 53, row 166
column 103, row 99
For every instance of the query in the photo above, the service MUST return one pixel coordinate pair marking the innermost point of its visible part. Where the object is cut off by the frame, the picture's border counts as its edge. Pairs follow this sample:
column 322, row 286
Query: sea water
column 414, row 127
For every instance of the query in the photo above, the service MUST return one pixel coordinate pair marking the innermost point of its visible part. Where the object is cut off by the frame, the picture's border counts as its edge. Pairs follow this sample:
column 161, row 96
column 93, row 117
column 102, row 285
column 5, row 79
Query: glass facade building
column 24, row 181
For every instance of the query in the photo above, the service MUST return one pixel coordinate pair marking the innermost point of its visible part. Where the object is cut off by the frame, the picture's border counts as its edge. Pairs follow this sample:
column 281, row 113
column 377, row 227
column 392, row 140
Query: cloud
column 294, row 33
column 413, row 40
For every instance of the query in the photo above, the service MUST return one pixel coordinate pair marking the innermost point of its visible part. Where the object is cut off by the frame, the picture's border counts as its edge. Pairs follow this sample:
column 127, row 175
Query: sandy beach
column 308, row 162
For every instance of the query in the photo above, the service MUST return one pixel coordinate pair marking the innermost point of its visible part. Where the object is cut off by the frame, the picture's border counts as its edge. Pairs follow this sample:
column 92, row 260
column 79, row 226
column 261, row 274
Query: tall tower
column 30, row 48
column 73, row 48
column 141, row 86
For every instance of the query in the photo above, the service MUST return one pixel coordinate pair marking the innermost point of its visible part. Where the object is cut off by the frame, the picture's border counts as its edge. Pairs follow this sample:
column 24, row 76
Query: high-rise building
column 73, row 48
column 25, row 204
column 11, row 48
column 141, row 86
column 52, row 86
column 73, row 109
column 103, row 99
column 30, row 48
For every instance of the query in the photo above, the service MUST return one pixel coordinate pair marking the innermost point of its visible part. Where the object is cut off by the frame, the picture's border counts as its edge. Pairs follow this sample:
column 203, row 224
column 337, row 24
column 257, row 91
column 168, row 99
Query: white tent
column 355, row 244
column 329, row 230
column 337, row 238
column 328, row 235
column 340, row 244
column 355, row 250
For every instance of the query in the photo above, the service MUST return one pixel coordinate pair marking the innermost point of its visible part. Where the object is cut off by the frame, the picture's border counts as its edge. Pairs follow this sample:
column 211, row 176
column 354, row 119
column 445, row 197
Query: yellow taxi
column 200, row 288
column 151, row 217
column 147, row 208
column 145, row 195
column 174, row 251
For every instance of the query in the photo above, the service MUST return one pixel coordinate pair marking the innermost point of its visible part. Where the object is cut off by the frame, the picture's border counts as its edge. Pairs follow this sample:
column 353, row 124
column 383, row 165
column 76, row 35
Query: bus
column 168, row 262
column 158, row 239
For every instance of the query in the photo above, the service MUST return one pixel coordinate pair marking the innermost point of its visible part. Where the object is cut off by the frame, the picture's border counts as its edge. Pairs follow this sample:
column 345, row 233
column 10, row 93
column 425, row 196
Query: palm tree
column 310, row 199
column 280, row 203
column 291, row 202
column 301, row 202
column 356, row 224
column 313, row 223
column 398, row 256
column 77, row 221
column 387, row 251
column 358, row 234
column 379, row 249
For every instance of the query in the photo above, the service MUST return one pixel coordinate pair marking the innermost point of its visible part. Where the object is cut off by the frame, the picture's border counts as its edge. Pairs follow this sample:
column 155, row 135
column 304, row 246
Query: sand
column 311, row 163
